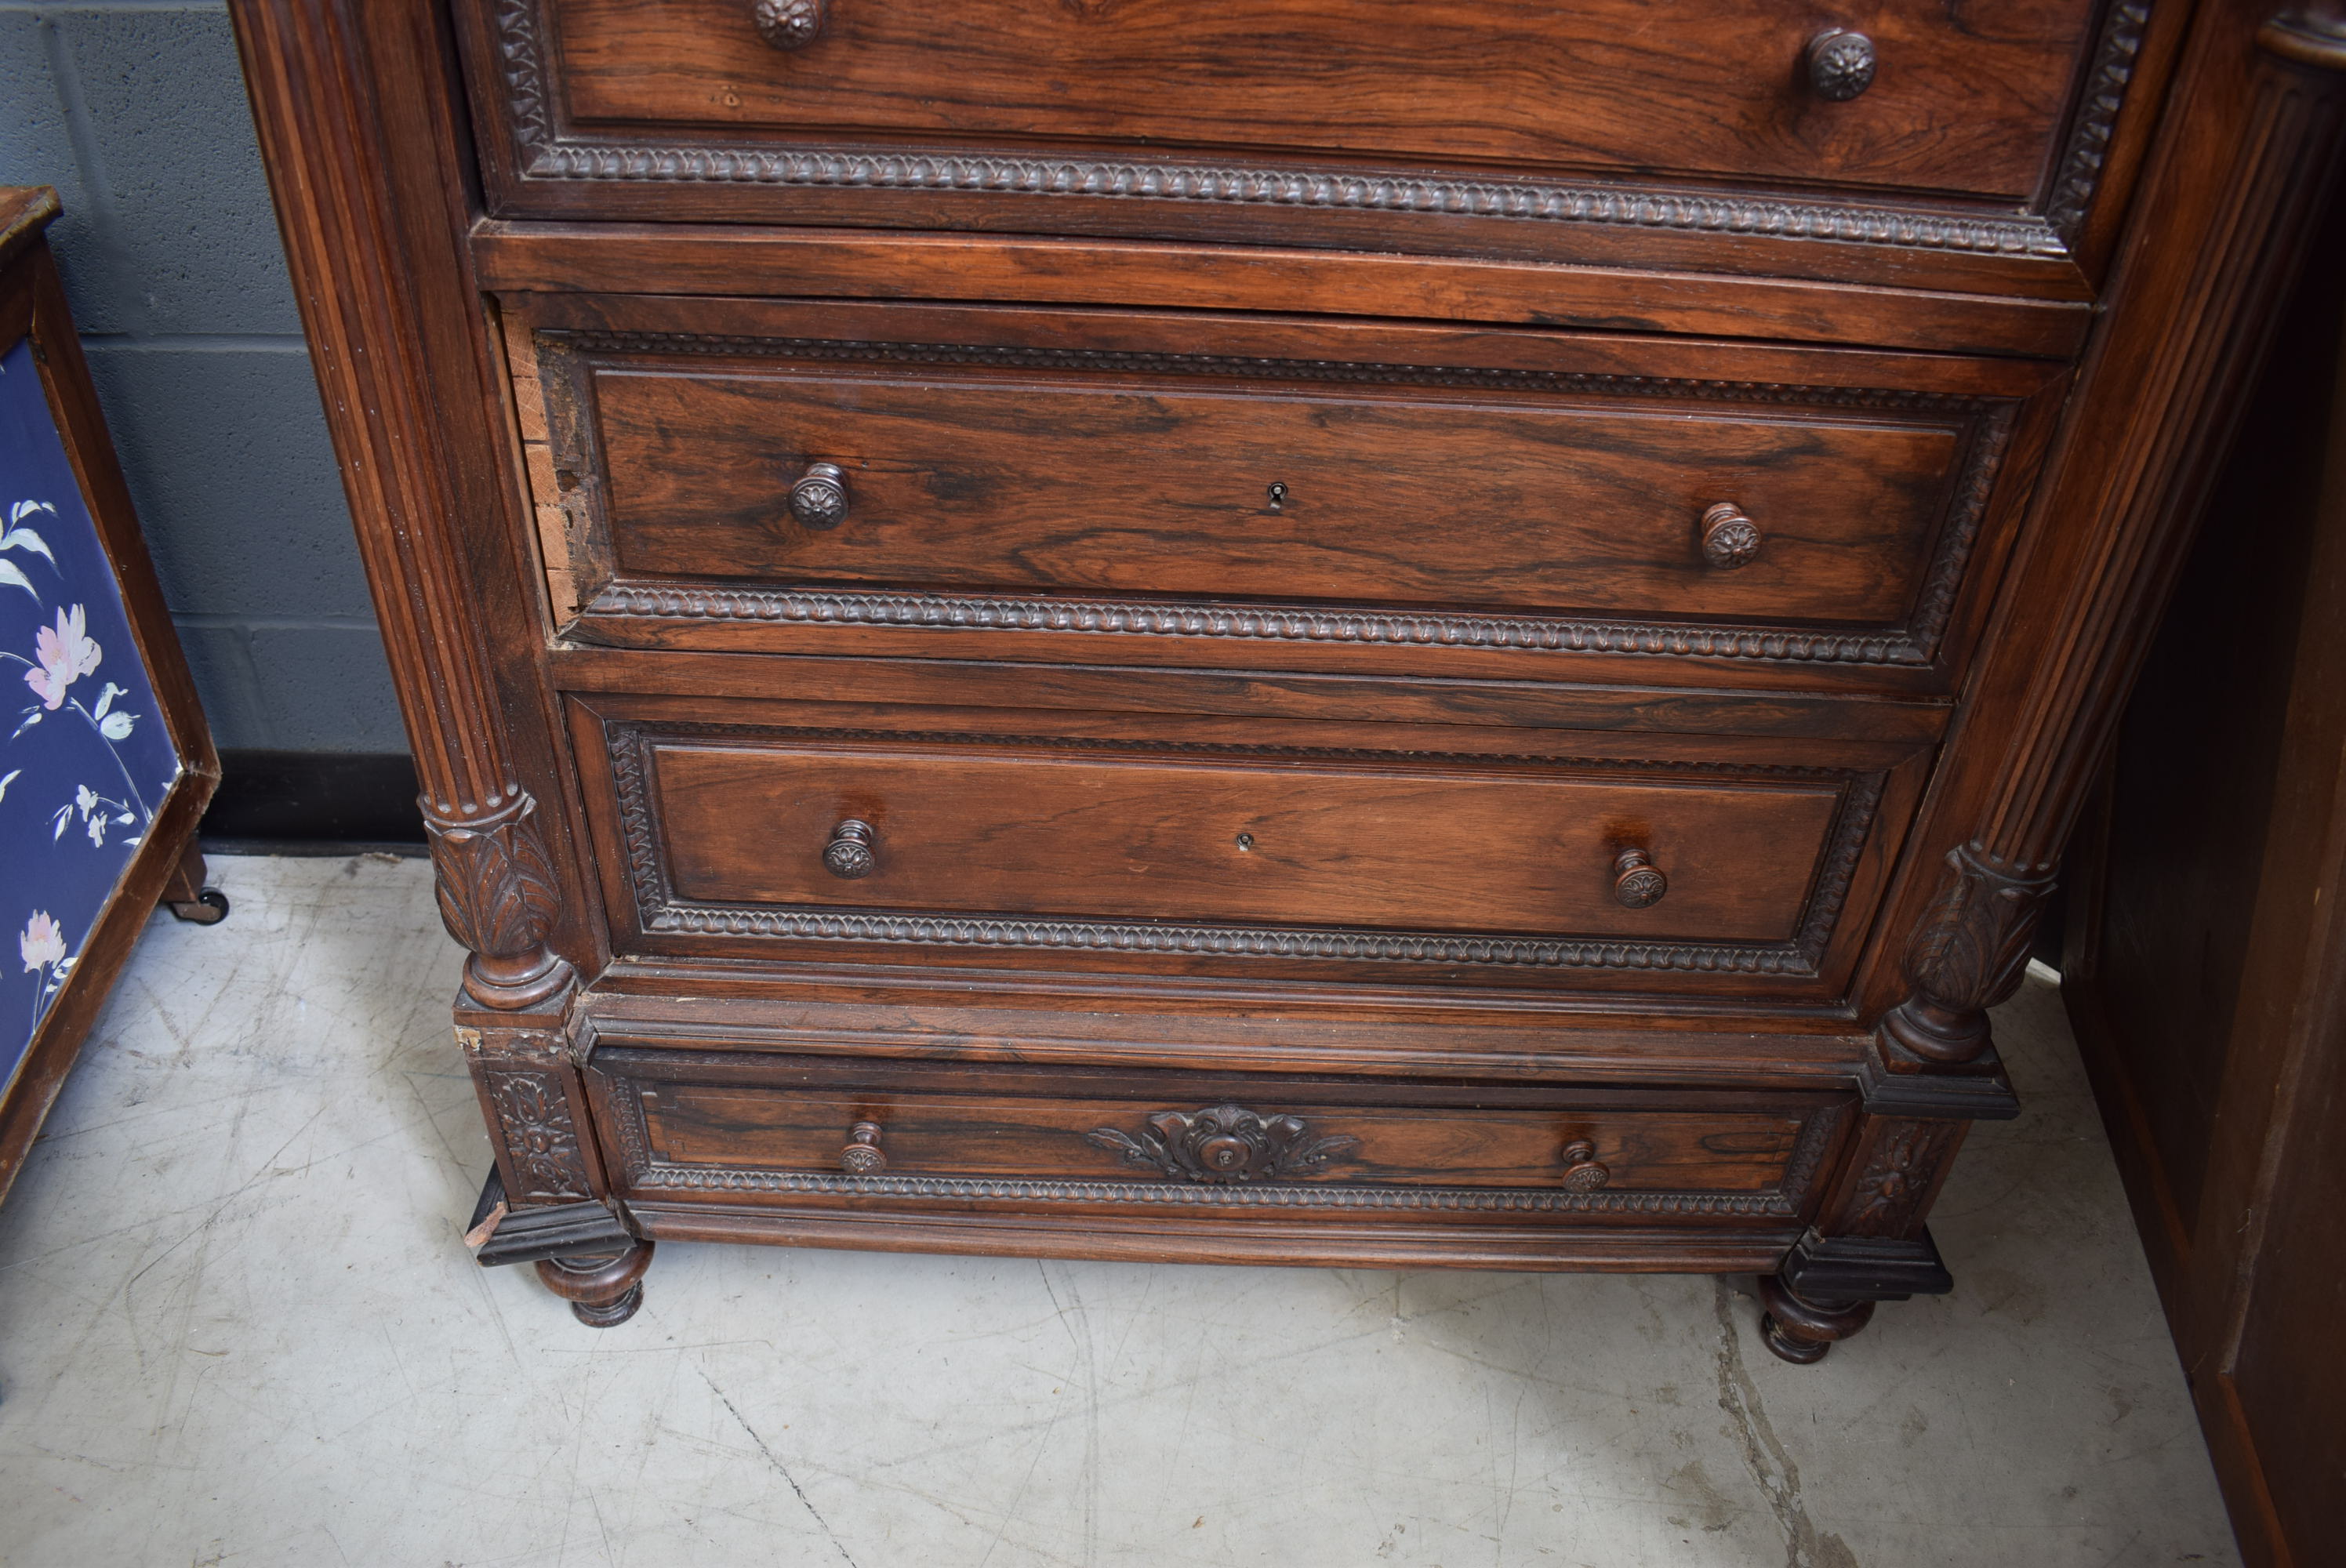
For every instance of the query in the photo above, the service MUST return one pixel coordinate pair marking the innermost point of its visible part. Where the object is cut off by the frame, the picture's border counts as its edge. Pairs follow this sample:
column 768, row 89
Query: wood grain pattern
column 676, row 258
column 1278, row 106
column 980, row 1136
column 497, row 879
column 1282, row 841
column 2203, row 955
column 2235, row 202
column 1074, row 483
column 1142, row 845
column 1583, row 87
column 1466, row 270
column 735, row 1124
column 1029, row 459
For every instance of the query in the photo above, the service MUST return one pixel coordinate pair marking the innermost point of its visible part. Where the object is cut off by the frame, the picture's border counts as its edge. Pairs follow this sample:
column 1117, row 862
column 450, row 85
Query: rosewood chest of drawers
column 1318, row 631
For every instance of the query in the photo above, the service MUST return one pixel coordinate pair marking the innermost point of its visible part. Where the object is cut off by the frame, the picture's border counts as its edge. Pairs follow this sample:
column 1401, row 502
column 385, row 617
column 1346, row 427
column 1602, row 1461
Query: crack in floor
column 780, row 1469
column 1764, row 1454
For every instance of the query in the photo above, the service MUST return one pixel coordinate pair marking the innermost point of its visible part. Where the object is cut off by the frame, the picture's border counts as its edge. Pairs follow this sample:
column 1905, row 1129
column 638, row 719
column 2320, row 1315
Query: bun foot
column 603, row 1291
column 1801, row 1330
column 610, row 1316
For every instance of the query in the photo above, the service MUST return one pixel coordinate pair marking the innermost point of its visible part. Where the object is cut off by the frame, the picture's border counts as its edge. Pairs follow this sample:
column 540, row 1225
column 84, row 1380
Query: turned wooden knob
column 854, row 850
column 1730, row 539
column 1583, row 1171
column 819, row 500
column 1841, row 65
column 790, row 24
column 863, row 1155
column 1636, row 885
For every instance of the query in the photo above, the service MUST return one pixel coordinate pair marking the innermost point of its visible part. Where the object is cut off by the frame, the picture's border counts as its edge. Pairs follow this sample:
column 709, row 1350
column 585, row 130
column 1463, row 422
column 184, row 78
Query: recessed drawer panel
column 1086, row 849
column 1153, row 98
column 741, row 1124
column 1075, row 483
column 1027, row 483
column 1468, row 848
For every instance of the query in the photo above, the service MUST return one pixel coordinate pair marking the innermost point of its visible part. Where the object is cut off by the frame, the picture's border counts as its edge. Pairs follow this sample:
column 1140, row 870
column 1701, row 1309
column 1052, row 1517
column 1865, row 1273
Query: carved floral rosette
column 541, row 1138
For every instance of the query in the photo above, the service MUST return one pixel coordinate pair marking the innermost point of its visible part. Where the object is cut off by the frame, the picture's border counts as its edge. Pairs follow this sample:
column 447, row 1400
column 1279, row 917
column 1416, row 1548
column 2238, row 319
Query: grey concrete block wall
column 136, row 112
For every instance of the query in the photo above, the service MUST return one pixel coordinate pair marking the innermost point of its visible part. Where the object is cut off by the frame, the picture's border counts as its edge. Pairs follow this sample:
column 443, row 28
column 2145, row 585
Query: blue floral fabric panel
column 85, row 759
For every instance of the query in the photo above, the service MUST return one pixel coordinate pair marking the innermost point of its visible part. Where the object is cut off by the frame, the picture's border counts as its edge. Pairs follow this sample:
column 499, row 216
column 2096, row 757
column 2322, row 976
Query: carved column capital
column 498, row 897
column 1967, row 955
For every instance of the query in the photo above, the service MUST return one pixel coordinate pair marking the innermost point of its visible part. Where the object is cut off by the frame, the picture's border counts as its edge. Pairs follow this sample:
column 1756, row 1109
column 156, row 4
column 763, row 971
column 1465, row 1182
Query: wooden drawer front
column 1079, row 847
column 1211, row 496
column 705, row 1124
column 1463, row 848
column 1146, row 99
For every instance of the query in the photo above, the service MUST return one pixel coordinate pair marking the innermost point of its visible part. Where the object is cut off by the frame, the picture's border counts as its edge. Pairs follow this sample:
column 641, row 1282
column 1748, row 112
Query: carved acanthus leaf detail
column 1225, row 1143
column 497, row 885
column 498, row 897
column 1967, row 955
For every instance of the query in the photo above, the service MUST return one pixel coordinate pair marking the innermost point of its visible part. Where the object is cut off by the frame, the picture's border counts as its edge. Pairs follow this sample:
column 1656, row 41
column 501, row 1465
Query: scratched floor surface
column 236, row 1327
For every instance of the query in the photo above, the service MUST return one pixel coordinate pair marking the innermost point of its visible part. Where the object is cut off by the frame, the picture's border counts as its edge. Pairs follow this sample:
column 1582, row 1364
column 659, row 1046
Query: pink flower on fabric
column 43, row 943
column 65, row 653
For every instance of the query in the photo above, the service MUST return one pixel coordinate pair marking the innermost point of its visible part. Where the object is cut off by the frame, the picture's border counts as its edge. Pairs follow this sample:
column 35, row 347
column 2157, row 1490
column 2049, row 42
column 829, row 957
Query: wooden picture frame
column 72, row 960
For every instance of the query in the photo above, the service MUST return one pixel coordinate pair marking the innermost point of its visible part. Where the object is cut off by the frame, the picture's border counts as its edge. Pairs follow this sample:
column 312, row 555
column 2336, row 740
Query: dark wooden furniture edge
column 2227, row 207
column 2220, row 1121
column 522, row 255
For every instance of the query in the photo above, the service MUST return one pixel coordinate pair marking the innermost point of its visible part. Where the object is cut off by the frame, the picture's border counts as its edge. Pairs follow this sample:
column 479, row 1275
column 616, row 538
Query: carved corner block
column 535, row 1109
column 1885, row 1190
column 498, row 898
column 540, row 1135
column 1966, row 956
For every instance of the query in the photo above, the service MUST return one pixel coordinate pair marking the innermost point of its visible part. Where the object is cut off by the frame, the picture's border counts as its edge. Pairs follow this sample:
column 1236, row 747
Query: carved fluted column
column 2220, row 227
column 351, row 257
column 344, row 95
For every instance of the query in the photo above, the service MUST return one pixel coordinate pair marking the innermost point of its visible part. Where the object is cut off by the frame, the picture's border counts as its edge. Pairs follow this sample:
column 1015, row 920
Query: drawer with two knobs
column 1420, row 854
column 1300, row 114
column 1105, row 486
column 717, row 1126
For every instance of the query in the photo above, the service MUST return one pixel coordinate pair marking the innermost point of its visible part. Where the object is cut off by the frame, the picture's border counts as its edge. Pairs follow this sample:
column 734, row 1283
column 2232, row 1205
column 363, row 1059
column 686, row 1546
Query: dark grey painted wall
column 136, row 112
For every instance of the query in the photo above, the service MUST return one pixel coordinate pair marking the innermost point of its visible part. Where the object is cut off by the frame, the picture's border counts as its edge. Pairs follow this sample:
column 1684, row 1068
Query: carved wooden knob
column 863, row 1154
column 819, row 500
column 854, row 849
column 1841, row 65
column 1636, row 885
column 1730, row 539
column 1583, row 1171
column 790, row 24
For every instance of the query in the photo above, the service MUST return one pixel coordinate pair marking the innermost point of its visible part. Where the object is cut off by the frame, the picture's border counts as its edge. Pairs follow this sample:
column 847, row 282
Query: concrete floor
column 236, row 1327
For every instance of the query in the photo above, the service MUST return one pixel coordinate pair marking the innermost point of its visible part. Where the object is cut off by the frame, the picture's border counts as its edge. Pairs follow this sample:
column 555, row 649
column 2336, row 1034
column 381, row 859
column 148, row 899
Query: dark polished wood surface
column 1967, row 107
column 1488, row 558
column 1970, row 148
column 2203, row 960
column 1044, row 465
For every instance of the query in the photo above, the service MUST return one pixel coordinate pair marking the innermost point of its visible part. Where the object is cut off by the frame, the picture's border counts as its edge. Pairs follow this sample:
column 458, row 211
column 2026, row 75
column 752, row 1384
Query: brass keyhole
column 1245, row 841
column 1278, row 497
